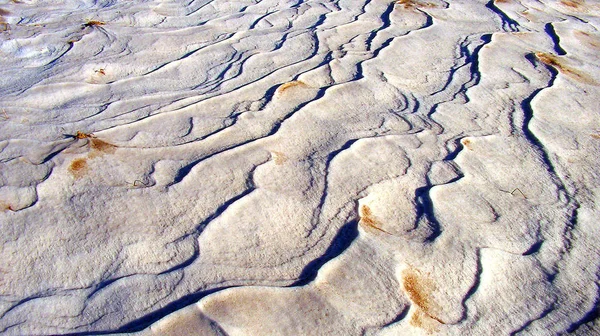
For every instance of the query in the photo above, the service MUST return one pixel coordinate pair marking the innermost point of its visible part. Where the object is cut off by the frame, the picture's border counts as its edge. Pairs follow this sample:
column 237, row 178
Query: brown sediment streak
column 410, row 4
column 419, row 288
column 102, row 146
column 572, row 3
column 588, row 39
column 288, row 85
column 367, row 221
column 558, row 63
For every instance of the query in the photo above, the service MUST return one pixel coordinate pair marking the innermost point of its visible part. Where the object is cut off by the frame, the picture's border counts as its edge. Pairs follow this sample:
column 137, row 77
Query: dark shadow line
column 342, row 240
column 549, row 29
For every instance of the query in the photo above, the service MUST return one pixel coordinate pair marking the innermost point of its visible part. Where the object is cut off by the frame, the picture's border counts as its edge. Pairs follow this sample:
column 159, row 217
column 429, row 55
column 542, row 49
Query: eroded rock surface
column 323, row 167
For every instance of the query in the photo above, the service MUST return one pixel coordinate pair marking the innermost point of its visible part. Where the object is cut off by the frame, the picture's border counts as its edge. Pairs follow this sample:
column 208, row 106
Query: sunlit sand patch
column 418, row 288
column 4, row 206
column 289, row 85
column 521, row 33
column 580, row 6
column 368, row 222
column 572, row 3
column 558, row 63
column 527, row 14
column 188, row 321
column 591, row 40
column 575, row 4
column 278, row 157
column 98, row 76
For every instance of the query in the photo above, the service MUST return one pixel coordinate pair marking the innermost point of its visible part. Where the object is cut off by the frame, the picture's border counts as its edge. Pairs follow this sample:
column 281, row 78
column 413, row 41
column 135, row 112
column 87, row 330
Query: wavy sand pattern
column 321, row 167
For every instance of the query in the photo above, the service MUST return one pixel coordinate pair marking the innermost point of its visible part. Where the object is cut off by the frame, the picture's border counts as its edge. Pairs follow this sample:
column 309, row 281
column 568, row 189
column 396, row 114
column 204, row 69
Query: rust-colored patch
column 572, row 3
column 93, row 23
column 102, row 146
column 4, row 26
column 419, row 288
column 595, row 136
column 100, row 72
column 278, row 157
column 367, row 221
column 81, row 135
column 78, row 167
column 467, row 143
column 288, row 85
column 557, row 63
column 587, row 39
column 421, row 320
column 411, row 4
column 3, row 12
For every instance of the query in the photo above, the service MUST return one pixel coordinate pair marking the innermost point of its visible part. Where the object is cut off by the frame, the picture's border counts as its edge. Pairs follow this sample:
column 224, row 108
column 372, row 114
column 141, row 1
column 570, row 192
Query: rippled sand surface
column 320, row 167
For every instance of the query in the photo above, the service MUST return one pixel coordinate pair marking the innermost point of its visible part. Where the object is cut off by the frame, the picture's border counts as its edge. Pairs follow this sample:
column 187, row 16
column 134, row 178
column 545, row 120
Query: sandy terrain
column 320, row 167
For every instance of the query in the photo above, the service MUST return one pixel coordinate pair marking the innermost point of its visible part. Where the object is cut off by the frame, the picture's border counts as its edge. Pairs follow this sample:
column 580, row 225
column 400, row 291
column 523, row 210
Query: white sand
column 214, row 167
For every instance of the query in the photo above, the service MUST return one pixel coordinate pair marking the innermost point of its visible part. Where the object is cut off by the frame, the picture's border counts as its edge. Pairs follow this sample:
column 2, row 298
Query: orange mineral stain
column 467, row 143
column 93, row 23
column 587, row 39
column 102, row 146
column 419, row 289
column 286, row 86
column 368, row 222
column 411, row 4
column 78, row 167
column 558, row 63
column 572, row 3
